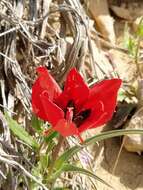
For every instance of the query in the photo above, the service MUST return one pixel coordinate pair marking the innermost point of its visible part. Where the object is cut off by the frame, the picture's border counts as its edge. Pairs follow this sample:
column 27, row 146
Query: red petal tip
column 117, row 80
column 41, row 70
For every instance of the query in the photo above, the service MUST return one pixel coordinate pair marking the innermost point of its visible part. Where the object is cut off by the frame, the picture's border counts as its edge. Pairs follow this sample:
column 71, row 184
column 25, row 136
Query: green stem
column 55, row 153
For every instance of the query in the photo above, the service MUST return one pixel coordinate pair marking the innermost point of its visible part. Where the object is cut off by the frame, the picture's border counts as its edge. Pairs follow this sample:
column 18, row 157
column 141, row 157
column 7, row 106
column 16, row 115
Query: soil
column 128, row 174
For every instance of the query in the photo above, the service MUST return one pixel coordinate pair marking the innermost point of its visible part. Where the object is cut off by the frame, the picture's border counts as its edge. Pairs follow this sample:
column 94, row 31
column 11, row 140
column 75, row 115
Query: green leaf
column 50, row 137
column 66, row 156
column 20, row 132
column 129, row 42
column 43, row 163
column 131, row 46
column 51, row 145
column 140, row 28
column 73, row 168
column 41, row 167
column 36, row 123
column 104, row 135
column 122, row 95
column 110, row 134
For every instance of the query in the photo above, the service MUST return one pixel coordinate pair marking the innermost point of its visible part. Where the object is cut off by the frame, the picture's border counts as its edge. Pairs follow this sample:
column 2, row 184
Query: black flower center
column 81, row 117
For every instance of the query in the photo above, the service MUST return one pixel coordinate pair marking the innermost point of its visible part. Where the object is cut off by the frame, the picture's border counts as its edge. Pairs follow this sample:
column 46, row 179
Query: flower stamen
column 69, row 115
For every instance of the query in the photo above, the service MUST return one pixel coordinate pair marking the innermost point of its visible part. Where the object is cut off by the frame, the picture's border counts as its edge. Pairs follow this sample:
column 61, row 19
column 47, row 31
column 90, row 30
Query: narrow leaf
column 140, row 28
column 104, row 135
column 20, row 132
column 50, row 137
column 73, row 168
column 36, row 123
column 66, row 156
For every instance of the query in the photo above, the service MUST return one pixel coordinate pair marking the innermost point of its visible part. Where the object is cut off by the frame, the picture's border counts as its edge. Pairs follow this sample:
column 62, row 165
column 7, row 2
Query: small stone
column 134, row 143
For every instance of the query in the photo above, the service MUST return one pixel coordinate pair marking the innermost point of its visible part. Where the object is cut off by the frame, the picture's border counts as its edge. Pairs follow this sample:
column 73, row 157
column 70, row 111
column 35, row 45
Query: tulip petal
column 102, row 102
column 75, row 90
column 66, row 129
column 50, row 111
column 44, row 83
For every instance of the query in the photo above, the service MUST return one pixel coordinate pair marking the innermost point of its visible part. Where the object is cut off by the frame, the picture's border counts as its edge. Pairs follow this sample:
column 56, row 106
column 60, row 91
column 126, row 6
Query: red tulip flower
column 76, row 108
